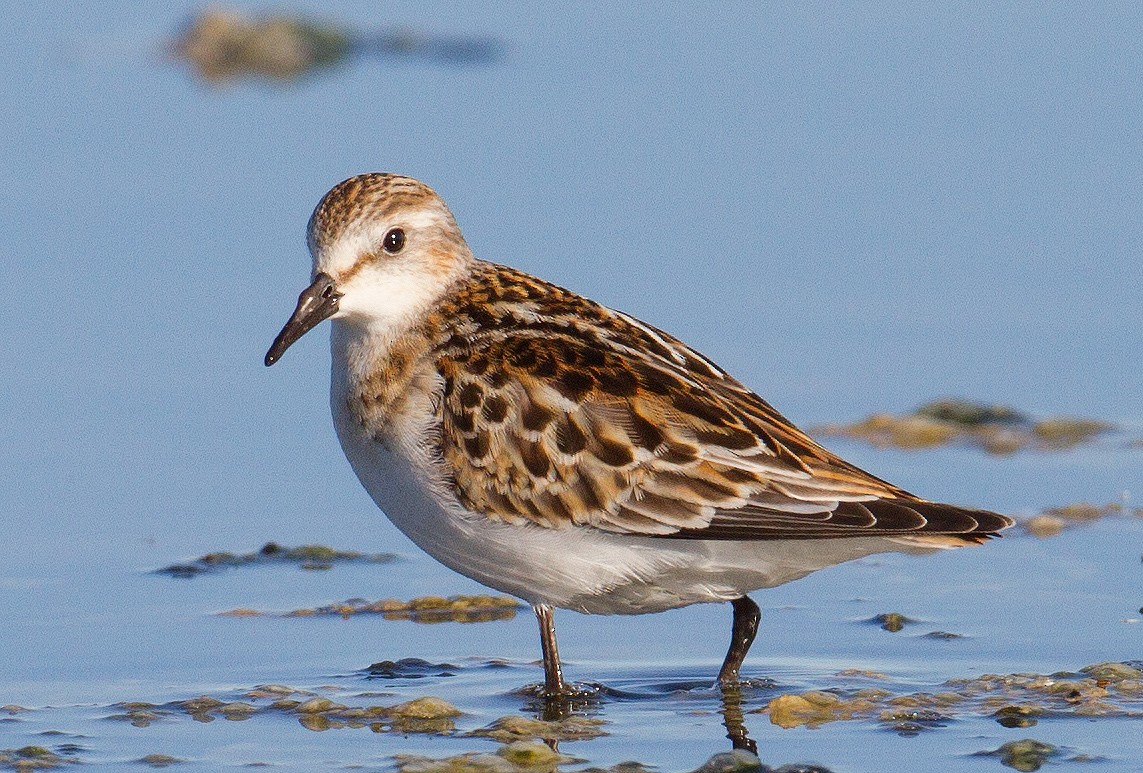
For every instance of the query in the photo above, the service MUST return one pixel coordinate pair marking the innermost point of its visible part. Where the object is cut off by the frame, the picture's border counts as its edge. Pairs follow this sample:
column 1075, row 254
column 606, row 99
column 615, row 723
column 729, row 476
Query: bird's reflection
column 733, row 721
column 587, row 700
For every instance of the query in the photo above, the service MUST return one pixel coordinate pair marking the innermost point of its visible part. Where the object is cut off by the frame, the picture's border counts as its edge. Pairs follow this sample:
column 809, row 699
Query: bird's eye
column 394, row 241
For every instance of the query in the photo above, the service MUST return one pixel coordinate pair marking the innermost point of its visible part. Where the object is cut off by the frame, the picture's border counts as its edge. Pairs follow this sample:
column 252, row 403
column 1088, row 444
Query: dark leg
column 553, row 675
column 746, row 617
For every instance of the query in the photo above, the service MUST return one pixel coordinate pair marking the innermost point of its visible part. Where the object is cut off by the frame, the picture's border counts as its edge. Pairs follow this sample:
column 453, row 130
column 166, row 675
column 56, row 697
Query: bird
column 566, row 453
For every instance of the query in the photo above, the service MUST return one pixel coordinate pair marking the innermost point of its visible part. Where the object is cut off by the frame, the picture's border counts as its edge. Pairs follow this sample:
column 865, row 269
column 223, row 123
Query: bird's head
column 384, row 248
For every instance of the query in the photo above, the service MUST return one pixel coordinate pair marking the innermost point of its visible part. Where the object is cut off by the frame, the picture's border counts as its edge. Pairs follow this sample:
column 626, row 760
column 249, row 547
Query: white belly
column 576, row 567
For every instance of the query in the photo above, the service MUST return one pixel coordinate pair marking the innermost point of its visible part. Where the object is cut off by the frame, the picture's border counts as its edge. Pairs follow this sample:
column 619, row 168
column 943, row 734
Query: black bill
column 317, row 302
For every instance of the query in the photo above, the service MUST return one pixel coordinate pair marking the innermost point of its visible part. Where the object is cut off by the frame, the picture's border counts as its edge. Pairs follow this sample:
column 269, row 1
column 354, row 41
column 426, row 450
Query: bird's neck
column 381, row 375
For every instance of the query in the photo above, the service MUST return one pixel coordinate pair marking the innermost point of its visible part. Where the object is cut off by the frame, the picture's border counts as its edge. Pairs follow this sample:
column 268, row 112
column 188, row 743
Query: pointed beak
column 317, row 302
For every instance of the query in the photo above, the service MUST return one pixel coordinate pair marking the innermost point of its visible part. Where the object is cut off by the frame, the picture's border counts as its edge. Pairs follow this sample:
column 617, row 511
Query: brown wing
column 592, row 418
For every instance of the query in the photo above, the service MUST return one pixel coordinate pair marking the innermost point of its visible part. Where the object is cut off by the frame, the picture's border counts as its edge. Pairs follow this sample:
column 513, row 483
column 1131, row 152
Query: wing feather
column 564, row 413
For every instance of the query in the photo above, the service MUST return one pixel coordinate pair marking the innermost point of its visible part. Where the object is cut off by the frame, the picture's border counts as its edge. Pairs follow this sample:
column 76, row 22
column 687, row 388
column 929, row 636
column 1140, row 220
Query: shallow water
column 852, row 209
column 1018, row 605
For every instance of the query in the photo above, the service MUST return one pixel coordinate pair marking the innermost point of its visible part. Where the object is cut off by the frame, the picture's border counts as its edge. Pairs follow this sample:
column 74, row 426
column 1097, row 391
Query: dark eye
column 394, row 241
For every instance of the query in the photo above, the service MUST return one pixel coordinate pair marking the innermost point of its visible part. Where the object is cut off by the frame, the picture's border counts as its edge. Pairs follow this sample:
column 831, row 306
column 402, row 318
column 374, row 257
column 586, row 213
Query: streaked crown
column 387, row 241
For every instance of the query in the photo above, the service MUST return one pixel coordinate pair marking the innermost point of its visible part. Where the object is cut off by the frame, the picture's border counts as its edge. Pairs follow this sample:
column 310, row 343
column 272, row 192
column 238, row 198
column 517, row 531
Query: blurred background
column 853, row 207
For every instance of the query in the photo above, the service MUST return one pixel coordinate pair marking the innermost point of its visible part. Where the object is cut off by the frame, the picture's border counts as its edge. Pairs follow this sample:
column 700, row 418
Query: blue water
column 851, row 207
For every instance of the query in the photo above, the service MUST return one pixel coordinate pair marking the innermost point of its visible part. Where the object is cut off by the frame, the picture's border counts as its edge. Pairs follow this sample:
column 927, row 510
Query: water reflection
column 585, row 700
column 733, row 721
column 588, row 699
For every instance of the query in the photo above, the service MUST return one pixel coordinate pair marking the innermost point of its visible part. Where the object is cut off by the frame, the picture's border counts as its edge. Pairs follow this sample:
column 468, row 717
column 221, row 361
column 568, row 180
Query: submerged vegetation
column 29, row 758
column 312, row 711
column 424, row 609
column 1013, row 700
column 1052, row 521
column 522, row 743
column 224, row 44
column 312, row 557
column 997, row 429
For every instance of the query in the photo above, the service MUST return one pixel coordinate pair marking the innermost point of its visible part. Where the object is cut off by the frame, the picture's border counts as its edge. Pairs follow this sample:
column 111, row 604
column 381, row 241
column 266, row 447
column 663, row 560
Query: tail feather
column 873, row 518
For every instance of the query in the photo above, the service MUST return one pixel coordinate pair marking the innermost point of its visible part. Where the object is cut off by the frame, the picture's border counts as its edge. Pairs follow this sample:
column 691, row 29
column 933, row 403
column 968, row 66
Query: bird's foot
column 740, row 683
column 553, row 705
column 563, row 691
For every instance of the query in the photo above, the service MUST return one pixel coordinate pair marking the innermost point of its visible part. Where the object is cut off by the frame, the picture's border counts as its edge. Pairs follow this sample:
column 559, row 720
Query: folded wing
column 596, row 419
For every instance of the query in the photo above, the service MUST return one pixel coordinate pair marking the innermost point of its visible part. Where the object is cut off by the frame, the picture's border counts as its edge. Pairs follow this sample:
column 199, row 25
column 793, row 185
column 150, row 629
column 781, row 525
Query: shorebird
column 564, row 452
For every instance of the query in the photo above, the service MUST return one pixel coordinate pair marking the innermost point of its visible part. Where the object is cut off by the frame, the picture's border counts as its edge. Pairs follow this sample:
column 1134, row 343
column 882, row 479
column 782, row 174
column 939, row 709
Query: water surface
column 852, row 208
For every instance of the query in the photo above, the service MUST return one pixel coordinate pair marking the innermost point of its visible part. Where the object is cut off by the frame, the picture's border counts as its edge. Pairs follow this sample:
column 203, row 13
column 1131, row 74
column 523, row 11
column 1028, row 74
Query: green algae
column 965, row 413
column 1018, row 715
column 273, row 691
column 424, row 609
column 515, row 728
column 310, row 557
column 1109, row 689
column 891, row 621
column 223, row 45
column 996, row 429
column 814, row 708
column 472, row 762
column 532, row 754
column 426, row 715
column 424, row 708
column 737, row 761
column 517, row 757
column 1026, row 754
column 409, row 668
column 1053, row 520
column 1063, row 432
column 138, row 713
column 29, row 758
column 313, row 706
column 1112, row 672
